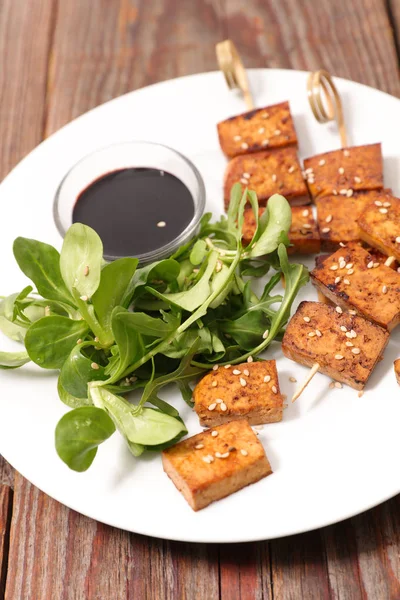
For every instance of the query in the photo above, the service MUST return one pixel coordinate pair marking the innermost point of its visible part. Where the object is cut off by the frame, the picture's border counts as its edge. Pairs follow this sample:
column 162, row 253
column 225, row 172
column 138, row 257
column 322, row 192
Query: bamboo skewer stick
column 232, row 67
column 302, row 387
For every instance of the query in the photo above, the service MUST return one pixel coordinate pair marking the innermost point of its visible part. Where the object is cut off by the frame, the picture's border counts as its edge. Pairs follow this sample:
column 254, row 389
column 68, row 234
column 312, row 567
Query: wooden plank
column 6, row 473
column 393, row 8
column 5, row 519
column 104, row 49
column 350, row 39
column 299, row 568
column 245, row 571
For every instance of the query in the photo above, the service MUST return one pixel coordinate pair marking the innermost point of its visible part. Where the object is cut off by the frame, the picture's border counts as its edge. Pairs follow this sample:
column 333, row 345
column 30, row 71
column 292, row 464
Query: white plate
column 334, row 454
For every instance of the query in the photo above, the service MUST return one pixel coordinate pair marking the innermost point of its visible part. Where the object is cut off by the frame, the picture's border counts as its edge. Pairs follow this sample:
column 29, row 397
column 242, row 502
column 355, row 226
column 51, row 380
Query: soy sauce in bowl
column 143, row 199
column 135, row 210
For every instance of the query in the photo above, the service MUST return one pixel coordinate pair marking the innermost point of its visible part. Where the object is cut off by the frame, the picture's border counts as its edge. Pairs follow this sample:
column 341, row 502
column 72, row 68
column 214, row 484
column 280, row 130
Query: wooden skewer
column 232, row 67
column 300, row 390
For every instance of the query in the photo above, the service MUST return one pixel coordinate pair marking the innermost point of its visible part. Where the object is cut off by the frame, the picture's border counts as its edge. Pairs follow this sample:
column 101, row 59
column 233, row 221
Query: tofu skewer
column 379, row 226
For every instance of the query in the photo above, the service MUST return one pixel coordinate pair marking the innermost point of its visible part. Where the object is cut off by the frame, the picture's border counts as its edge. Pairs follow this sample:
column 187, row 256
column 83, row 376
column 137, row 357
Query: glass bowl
column 130, row 155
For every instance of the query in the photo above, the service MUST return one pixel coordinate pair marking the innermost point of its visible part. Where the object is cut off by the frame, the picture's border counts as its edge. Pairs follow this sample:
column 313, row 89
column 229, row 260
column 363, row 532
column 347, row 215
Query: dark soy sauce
column 136, row 210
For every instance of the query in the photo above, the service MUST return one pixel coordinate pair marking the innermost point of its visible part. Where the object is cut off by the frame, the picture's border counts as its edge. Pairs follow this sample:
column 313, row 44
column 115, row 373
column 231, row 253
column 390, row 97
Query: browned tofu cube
column 214, row 464
column 353, row 280
column 337, row 217
column 376, row 255
column 268, row 173
column 379, row 225
column 249, row 390
column 347, row 347
column 396, row 366
column 345, row 171
column 269, row 127
column 303, row 234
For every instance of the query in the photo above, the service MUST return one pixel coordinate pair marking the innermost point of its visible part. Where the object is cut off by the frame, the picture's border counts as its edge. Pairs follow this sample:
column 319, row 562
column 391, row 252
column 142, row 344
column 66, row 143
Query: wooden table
column 61, row 58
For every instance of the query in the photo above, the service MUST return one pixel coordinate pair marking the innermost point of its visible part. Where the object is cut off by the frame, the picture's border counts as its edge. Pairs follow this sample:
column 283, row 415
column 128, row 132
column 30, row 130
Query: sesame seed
column 291, row 169
column 398, row 240
column 305, row 213
column 277, row 132
column 265, row 116
column 331, row 385
column 346, row 153
column 383, row 211
column 243, row 382
column 236, row 372
column 244, row 181
column 244, row 452
column 307, row 319
column 79, row 341
column 309, row 171
column 267, row 378
column 353, row 333
column 384, row 289
column 334, row 192
column 274, row 178
column 258, row 427
column 328, row 219
column 337, row 280
column 387, row 204
column 349, row 334
column 356, row 350
column 214, row 383
column 212, row 406
column 274, row 389
column 342, row 263
column 349, row 265
column 199, row 446
column 338, row 310
column 349, row 344
column 84, row 298
column 326, row 230
column 318, row 333
column 376, row 265
column 311, row 334
column 343, row 192
column 307, row 226
column 352, row 312
column 343, row 328
column 223, row 406
column 350, row 272
column 161, row 224
column 206, row 459
column 265, row 143
column 237, row 138
column 340, row 170
column 215, row 367
column 342, row 245
column 244, row 146
column 349, row 193
column 265, row 334
column 370, row 264
column 224, row 455
column 246, row 175
column 346, row 281
column 219, row 401
column 218, row 266
column 250, row 359
column 360, row 393
column 321, row 162
column 246, row 372
column 357, row 179
column 334, row 268
column 227, row 366
column 95, row 366
column 218, row 454
column 86, row 271
column 338, row 385
column 261, row 130
column 338, row 356
column 378, row 203
column 293, row 379
column 214, row 433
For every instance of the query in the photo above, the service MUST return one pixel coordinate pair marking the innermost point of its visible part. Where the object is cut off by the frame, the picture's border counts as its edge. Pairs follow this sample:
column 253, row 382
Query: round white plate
column 333, row 455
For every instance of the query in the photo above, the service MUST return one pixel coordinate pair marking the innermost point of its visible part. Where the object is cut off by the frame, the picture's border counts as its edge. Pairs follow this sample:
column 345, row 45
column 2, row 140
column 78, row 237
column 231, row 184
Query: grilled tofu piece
column 249, row 390
column 379, row 225
column 269, row 127
column 345, row 171
column 303, row 234
column 353, row 280
column 377, row 256
column 214, row 464
column 347, row 347
column 337, row 217
column 268, row 173
column 396, row 366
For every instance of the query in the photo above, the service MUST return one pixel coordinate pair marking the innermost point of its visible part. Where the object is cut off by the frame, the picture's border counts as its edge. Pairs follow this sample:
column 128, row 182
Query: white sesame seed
column 274, row 178
column 352, row 312
column 307, row 226
column 378, row 203
column 246, row 175
column 343, row 328
column 398, row 240
column 356, row 350
column 246, row 372
column 265, row 334
column 318, row 333
column 243, row 382
column 261, row 130
column 224, row 455
column 349, row 344
column 267, row 378
column 236, row 371
column 227, row 366
column 357, row 179
column 199, row 446
column 212, row 406
column 223, row 406
column 331, row 385
column 343, row 192
column 350, row 272
column 291, row 169
column 244, row 146
column 305, row 213
column 84, row 298
column 349, row 265
column 258, row 427
column 277, row 132
column 384, row 289
column 346, row 153
column 250, row 359
column 206, row 459
column 387, row 204
column 370, row 264
column 218, row 454
column 244, row 452
column 338, row 356
column 338, row 385
column 346, row 281
column 307, row 319
column 79, row 341
column 86, row 271
column 349, row 334
column 311, row 333
column 309, row 171
column 337, row 280
column 214, row 383
column 326, row 230
column 215, row 367
column 342, row 245
column 237, row 138
column 95, row 366
column 219, row 401
column 274, row 389
column 376, row 265
column 340, row 170
column 349, row 193
column 328, row 219
column 342, row 264
column 334, row 268
column 353, row 333
column 244, row 181
column 321, row 162
column 383, row 211
column 293, row 379
column 214, row 433
column 338, row 310
column 161, row 224
column 265, row 143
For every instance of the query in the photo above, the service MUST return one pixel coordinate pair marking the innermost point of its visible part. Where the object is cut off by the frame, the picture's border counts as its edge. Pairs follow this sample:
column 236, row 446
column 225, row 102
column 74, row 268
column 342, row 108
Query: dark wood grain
column 6, row 473
column 351, row 39
column 5, row 518
column 245, row 572
column 393, row 7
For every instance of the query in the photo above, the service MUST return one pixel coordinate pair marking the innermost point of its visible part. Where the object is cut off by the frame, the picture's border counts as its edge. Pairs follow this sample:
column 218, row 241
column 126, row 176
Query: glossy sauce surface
column 135, row 210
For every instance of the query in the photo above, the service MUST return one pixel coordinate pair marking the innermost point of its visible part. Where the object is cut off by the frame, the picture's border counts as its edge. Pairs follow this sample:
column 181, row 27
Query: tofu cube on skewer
column 347, row 347
column 303, row 235
column 249, row 390
column 269, row 127
column 214, row 464
column 267, row 173
column 345, row 171
column 353, row 280
column 379, row 225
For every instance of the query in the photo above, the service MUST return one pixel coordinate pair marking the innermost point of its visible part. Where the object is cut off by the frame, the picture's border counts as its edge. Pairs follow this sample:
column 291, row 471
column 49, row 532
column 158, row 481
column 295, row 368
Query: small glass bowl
column 129, row 155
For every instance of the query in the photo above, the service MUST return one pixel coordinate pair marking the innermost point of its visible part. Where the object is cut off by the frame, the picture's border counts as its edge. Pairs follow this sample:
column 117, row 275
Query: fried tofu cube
column 303, row 234
column 345, row 171
column 379, row 225
column 353, row 280
column 249, row 390
column 269, row 127
column 216, row 463
column 376, row 255
column 268, row 173
column 396, row 366
column 337, row 217
column 347, row 347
